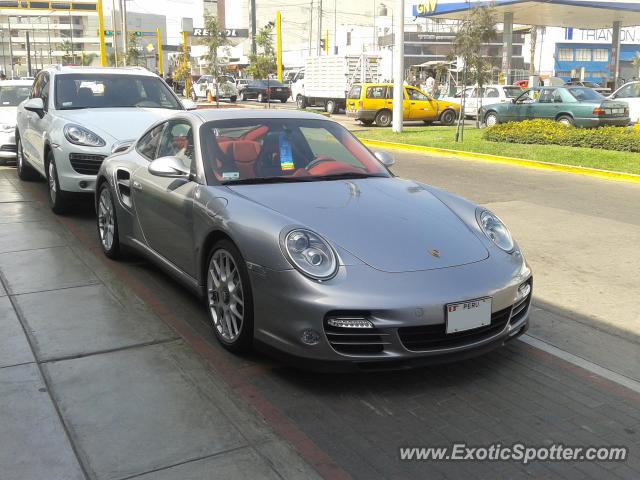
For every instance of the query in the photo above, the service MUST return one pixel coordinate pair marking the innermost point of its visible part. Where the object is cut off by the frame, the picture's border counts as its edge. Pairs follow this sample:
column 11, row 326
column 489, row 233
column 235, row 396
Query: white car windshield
column 13, row 95
column 80, row 91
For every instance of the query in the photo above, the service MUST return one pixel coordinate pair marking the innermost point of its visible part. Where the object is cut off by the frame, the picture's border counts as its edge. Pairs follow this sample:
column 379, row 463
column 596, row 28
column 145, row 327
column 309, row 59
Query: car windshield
column 251, row 151
column 13, row 95
column 512, row 92
column 584, row 94
column 77, row 91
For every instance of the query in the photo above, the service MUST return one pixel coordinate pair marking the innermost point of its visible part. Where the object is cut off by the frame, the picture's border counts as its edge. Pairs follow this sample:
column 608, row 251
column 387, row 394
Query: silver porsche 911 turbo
column 301, row 240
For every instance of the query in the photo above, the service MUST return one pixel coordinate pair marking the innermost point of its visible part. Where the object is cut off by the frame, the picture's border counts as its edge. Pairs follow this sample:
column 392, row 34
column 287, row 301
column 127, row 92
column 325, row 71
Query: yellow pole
column 103, row 48
column 160, row 65
column 279, row 43
column 185, row 50
column 326, row 43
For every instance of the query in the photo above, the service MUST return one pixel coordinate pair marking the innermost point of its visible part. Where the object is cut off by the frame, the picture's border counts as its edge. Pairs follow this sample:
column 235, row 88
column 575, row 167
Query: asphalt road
column 580, row 236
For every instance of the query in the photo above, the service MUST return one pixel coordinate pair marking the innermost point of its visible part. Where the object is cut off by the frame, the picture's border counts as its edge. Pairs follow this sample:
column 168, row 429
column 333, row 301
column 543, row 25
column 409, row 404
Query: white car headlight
column 497, row 231
column 7, row 127
column 310, row 254
column 81, row 136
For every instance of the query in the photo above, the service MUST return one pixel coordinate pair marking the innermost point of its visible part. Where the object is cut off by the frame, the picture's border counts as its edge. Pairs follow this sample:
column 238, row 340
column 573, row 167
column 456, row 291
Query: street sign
column 229, row 32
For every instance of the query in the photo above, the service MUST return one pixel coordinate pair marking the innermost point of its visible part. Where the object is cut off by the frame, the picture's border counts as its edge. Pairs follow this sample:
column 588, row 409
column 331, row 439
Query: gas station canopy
column 583, row 14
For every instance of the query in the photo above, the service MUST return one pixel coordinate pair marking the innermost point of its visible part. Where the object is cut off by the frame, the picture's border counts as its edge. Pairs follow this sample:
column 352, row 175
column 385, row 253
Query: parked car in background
column 77, row 116
column 373, row 103
column 241, row 84
column 594, row 86
column 304, row 241
column 12, row 93
column 223, row 87
column 579, row 106
column 475, row 97
column 629, row 94
column 266, row 90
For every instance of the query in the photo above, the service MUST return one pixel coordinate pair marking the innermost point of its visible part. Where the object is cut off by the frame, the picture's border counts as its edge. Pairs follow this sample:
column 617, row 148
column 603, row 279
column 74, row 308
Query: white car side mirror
column 35, row 105
column 169, row 167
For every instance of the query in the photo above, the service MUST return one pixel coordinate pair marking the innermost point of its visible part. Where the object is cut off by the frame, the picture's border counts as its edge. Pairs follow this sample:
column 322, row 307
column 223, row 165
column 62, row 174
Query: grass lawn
column 443, row 137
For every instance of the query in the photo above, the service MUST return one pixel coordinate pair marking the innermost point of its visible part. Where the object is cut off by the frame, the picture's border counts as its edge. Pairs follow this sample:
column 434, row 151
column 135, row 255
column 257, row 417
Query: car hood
column 116, row 124
column 8, row 115
column 390, row 224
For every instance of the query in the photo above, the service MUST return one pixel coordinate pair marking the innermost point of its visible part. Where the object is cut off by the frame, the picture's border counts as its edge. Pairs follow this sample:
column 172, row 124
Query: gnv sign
column 229, row 32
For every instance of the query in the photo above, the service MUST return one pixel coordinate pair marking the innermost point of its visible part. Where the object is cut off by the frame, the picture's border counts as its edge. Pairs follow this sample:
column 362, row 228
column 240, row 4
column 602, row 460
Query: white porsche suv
column 76, row 116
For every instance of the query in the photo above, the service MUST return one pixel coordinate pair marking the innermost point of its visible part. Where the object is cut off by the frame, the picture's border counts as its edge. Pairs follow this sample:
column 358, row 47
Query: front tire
column 301, row 102
column 491, row 119
column 57, row 197
column 107, row 223
column 242, row 97
column 448, row 117
column 283, row 100
column 233, row 99
column 24, row 170
column 383, row 118
column 331, row 107
column 261, row 98
column 229, row 298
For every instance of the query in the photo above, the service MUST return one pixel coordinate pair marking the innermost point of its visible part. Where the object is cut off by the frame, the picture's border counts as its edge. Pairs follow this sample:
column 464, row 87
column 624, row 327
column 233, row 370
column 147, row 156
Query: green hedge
column 548, row 132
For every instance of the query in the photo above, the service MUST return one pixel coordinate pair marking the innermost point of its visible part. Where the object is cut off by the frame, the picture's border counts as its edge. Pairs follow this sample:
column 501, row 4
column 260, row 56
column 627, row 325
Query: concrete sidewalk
column 95, row 386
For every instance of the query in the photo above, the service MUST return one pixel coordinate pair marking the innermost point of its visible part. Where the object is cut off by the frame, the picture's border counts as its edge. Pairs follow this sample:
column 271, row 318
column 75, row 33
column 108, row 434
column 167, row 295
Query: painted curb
column 557, row 167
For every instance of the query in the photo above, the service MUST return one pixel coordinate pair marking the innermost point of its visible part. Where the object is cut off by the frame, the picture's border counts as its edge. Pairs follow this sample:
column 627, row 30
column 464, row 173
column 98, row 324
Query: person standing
column 431, row 83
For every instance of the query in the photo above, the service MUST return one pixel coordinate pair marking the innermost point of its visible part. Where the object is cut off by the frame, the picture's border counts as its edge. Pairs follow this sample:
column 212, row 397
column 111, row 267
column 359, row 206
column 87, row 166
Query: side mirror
column 169, row 167
column 120, row 147
column 513, row 100
column 189, row 104
column 385, row 158
column 35, row 105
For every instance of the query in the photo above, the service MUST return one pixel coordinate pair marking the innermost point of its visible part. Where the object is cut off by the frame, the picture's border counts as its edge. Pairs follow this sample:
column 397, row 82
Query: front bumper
column 8, row 149
column 78, row 166
column 398, row 304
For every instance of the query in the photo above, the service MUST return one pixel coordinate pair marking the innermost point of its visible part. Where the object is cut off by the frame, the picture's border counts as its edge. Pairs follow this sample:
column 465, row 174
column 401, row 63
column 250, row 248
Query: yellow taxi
column 373, row 102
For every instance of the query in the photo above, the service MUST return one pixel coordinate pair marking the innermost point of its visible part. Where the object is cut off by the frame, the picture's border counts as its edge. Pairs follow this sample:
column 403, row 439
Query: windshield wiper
column 253, row 181
column 347, row 176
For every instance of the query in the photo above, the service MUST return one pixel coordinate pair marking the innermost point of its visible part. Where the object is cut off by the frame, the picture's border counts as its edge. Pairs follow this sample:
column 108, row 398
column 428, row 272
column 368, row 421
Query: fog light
column 83, row 184
column 349, row 323
column 523, row 291
column 310, row 337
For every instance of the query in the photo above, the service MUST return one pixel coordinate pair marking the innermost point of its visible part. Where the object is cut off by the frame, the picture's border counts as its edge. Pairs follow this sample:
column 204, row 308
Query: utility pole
column 103, row 47
column 73, row 55
column 319, row 49
column 28, row 55
column 4, row 58
column 335, row 27
column 279, row 43
column 398, row 67
column 114, row 26
column 10, row 46
column 310, row 27
column 254, row 49
column 49, row 39
column 123, row 28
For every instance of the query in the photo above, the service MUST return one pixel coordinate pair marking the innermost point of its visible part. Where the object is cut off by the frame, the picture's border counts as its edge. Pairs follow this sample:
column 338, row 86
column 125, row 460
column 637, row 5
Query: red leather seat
column 245, row 154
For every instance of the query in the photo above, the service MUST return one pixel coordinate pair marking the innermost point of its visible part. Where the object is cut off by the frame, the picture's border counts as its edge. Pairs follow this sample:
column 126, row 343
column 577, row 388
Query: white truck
column 326, row 80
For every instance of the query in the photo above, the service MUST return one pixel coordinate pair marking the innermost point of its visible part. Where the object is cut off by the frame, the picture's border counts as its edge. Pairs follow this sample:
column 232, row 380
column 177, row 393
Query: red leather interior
column 256, row 134
column 244, row 154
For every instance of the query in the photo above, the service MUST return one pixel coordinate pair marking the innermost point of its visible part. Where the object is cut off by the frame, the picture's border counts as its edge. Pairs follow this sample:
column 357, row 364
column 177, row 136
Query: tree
column 88, row 58
column 263, row 63
column 636, row 62
column 133, row 51
column 215, row 40
column 67, row 48
column 477, row 29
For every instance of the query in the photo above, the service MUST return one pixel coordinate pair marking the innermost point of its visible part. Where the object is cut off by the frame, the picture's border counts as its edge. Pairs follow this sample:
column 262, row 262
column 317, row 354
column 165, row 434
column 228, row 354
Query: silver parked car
column 12, row 93
column 300, row 239
column 76, row 116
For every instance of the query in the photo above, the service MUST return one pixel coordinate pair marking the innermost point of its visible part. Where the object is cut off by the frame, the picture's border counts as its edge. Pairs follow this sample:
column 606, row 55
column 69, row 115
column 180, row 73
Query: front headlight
column 310, row 254
column 81, row 136
column 497, row 231
column 7, row 127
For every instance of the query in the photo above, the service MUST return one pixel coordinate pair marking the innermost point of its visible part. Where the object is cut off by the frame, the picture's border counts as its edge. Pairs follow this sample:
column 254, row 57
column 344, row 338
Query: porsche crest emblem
column 435, row 253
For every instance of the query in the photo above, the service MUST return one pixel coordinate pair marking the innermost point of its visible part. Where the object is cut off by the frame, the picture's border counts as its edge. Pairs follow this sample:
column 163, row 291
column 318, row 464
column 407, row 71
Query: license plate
column 278, row 89
column 468, row 315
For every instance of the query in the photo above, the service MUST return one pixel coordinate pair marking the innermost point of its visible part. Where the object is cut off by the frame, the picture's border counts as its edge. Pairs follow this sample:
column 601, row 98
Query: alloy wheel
column 106, row 222
column 53, row 184
column 225, row 295
column 491, row 120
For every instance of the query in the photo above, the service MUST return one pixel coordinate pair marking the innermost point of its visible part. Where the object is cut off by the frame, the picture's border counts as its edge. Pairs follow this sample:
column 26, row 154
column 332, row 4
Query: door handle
column 137, row 186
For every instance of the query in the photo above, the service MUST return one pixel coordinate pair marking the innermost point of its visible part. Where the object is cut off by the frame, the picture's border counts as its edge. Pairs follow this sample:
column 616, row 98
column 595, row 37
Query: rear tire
column 233, row 99
column 242, row 97
column 57, row 197
column 25, row 171
column 261, row 98
column 448, row 117
column 565, row 120
column 229, row 298
column 331, row 107
column 283, row 100
column 383, row 118
column 107, row 222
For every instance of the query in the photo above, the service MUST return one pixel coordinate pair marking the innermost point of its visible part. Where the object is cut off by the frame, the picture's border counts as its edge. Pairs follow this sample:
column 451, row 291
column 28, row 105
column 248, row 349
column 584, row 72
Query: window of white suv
column 87, row 90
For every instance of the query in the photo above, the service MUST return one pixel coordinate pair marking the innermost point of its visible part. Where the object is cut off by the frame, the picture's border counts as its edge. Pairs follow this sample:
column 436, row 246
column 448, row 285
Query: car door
column 630, row 94
column 471, row 101
column 375, row 97
column 420, row 105
column 34, row 137
column 547, row 106
column 405, row 103
column 164, row 206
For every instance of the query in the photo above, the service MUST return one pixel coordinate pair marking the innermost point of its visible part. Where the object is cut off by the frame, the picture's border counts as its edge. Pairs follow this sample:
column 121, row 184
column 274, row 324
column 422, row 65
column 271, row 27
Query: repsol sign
column 229, row 32
column 425, row 8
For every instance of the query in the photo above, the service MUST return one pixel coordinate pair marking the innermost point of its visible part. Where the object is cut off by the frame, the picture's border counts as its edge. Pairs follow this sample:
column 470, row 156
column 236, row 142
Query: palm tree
column 636, row 62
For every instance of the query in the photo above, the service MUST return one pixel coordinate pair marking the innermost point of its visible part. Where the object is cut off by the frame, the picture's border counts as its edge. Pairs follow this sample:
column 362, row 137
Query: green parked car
column 579, row 106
